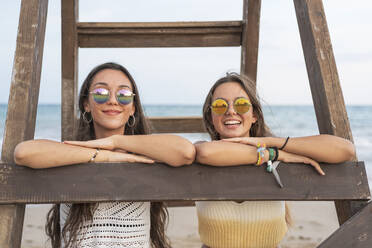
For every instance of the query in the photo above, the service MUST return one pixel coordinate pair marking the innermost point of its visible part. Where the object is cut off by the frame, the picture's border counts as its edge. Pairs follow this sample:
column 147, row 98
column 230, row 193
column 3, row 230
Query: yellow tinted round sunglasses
column 241, row 106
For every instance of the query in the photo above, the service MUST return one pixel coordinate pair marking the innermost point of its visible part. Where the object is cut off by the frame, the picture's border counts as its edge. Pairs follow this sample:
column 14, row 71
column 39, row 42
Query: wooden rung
column 100, row 182
column 176, row 125
column 356, row 232
column 159, row 34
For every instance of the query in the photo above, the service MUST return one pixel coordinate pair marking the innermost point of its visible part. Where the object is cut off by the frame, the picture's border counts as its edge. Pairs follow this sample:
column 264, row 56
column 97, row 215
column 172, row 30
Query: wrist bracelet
column 91, row 160
column 285, row 143
column 261, row 153
column 276, row 154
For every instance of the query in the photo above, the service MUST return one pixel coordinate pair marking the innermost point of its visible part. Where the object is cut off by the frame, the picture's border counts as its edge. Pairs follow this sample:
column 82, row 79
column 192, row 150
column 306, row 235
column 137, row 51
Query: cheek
column 216, row 120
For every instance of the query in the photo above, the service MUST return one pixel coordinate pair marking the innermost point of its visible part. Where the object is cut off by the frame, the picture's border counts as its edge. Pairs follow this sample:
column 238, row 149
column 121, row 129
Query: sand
column 313, row 222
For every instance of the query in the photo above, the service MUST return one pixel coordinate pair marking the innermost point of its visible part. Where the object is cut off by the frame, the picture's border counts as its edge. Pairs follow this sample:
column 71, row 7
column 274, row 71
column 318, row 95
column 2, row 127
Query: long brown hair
column 258, row 129
column 84, row 211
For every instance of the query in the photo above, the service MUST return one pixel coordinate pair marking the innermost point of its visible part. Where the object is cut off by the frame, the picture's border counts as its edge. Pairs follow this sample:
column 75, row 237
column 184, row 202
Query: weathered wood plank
column 159, row 182
column 158, row 34
column 22, row 105
column 356, row 232
column 155, row 25
column 250, row 38
column 69, row 13
column 176, row 124
column 323, row 77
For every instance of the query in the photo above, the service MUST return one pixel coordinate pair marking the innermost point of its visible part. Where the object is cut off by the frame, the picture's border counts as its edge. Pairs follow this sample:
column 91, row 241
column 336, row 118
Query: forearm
column 322, row 148
column 40, row 154
column 219, row 153
column 171, row 149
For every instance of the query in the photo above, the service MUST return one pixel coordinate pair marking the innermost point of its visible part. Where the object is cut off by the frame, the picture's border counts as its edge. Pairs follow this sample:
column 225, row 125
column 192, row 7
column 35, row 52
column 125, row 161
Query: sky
column 184, row 75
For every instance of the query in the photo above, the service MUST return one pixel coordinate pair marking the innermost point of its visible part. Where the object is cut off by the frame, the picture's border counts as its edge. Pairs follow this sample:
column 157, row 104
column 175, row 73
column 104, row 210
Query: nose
column 112, row 99
column 230, row 109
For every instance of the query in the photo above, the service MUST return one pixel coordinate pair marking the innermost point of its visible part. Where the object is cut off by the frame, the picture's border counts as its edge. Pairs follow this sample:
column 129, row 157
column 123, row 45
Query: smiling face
column 110, row 117
column 232, row 124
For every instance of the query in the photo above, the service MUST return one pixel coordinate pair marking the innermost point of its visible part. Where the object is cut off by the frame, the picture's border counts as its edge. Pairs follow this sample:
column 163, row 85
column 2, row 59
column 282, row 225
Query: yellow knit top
column 253, row 224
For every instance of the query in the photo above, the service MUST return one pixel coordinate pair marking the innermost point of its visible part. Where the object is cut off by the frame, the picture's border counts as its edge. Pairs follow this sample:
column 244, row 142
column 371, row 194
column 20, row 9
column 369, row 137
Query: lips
column 231, row 122
column 111, row 112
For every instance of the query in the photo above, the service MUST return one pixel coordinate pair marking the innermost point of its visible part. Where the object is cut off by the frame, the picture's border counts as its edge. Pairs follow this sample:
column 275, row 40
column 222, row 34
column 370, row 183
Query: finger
column 237, row 140
column 317, row 167
column 88, row 144
column 140, row 159
column 77, row 143
column 120, row 150
column 233, row 140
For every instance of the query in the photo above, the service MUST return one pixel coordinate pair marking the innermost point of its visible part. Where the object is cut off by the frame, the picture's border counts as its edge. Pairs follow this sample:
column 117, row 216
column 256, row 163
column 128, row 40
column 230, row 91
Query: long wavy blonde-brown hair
column 259, row 128
column 84, row 211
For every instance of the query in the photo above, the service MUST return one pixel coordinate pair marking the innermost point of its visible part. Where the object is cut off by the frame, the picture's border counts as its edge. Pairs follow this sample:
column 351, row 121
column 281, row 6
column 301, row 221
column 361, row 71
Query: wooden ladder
column 19, row 185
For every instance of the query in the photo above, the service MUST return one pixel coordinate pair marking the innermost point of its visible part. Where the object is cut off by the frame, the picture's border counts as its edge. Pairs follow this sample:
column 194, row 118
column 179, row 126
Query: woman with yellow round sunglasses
column 233, row 117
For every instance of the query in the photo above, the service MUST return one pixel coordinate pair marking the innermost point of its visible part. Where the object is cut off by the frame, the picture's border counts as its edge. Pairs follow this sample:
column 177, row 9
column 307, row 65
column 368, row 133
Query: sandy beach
column 313, row 222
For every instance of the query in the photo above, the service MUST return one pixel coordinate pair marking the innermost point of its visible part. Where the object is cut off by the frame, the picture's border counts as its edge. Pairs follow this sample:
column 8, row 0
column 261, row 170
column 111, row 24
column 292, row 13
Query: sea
column 283, row 121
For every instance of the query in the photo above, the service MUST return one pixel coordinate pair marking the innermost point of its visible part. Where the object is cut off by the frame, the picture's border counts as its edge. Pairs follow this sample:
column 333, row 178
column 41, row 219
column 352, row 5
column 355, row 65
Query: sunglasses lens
column 124, row 96
column 100, row 95
column 242, row 105
column 219, row 106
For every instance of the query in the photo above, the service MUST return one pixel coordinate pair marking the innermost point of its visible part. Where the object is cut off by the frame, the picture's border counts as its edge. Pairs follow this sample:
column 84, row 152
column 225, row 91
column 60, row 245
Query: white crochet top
column 114, row 224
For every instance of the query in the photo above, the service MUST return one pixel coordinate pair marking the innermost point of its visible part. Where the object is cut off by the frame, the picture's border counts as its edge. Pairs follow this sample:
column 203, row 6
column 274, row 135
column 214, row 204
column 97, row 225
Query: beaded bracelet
column 261, row 153
column 94, row 156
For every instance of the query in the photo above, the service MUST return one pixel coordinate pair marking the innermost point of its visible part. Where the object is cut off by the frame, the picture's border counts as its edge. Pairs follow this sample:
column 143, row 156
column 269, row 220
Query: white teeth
column 231, row 122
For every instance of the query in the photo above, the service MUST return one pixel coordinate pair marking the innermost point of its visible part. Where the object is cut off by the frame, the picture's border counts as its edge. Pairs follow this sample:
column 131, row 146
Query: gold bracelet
column 94, row 156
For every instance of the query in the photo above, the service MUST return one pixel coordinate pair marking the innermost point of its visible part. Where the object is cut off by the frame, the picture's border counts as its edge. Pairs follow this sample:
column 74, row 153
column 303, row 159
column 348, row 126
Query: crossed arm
column 170, row 149
column 308, row 150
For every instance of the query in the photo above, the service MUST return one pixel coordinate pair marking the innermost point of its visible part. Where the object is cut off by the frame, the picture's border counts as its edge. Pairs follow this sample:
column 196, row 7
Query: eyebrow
column 233, row 100
column 105, row 84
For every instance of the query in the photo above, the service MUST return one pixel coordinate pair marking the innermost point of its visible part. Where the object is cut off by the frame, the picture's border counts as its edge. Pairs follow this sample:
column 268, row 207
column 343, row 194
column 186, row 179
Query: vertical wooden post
column 323, row 77
column 22, row 104
column 250, row 38
column 69, row 13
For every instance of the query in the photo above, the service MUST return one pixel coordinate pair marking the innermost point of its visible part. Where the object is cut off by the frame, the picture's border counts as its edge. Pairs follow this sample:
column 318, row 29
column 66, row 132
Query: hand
column 104, row 143
column 253, row 141
column 110, row 156
column 294, row 158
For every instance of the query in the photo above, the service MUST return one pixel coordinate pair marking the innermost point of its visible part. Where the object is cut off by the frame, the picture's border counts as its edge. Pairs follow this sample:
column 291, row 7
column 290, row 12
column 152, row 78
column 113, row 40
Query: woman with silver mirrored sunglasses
column 112, row 128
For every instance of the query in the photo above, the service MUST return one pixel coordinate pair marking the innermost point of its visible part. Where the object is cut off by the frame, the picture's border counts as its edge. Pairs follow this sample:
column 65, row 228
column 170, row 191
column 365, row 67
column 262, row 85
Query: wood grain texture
column 69, row 13
column 188, row 124
column 160, row 34
column 323, row 77
column 250, row 38
column 356, row 232
column 22, row 104
column 159, row 182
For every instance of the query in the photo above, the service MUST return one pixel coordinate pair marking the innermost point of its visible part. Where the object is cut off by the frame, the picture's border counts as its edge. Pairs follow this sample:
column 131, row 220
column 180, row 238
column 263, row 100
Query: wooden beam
column 69, row 13
column 250, row 38
column 22, row 104
column 356, row 232
column 189, row 124
column 159, row 182
column 160, row 34
column 323, row 77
